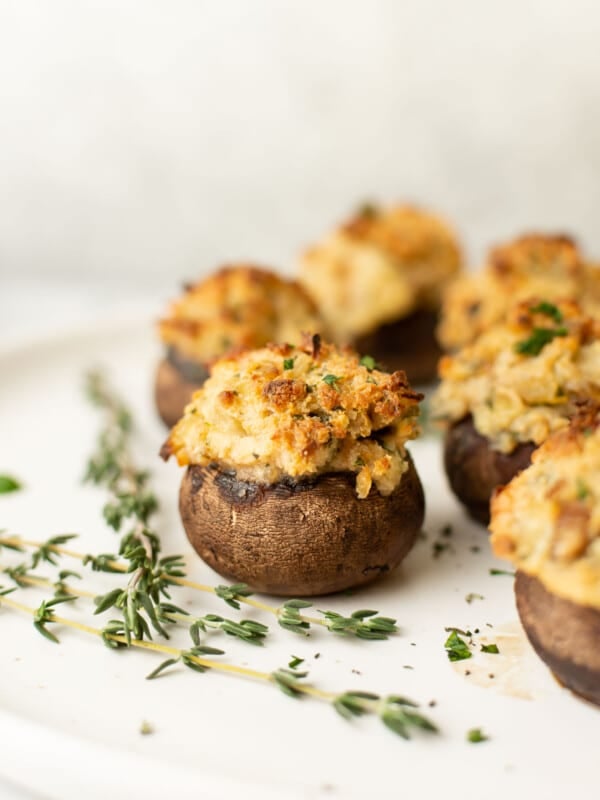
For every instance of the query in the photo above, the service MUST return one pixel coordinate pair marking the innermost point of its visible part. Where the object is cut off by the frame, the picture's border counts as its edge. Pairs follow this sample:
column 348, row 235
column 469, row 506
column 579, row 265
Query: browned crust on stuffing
column 180, row 327
column 281, row 392
column 316, row 414
column 505, row 259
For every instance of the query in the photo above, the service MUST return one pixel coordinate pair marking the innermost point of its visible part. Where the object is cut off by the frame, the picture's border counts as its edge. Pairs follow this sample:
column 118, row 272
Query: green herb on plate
column 456, row 648
column 9, row 484
column 476, row 735
column 489, row 648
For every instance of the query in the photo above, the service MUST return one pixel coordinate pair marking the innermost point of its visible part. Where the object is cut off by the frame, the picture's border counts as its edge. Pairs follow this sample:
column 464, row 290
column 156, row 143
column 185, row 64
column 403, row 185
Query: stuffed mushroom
column 505, row 394
column 534, row 265
column 379, row 281
column 547, row 522
column 298, row 481
column 237, row 307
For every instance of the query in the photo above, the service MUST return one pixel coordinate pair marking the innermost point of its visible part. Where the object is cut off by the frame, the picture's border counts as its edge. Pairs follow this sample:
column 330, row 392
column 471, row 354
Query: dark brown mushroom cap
column 408, row 344
column 564, row 634
column 299, row 538
column 475, row 469
column 173, row 391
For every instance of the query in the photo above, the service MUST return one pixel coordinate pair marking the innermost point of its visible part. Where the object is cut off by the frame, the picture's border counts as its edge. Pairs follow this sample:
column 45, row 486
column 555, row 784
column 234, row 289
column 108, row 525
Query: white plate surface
column 70, row 714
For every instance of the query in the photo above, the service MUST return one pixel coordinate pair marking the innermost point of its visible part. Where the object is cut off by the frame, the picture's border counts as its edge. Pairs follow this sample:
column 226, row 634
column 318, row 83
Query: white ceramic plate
column 71, row 714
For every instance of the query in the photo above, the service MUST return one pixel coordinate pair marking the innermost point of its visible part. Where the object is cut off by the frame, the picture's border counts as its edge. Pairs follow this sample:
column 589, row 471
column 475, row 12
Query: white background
column 152, row 140
column 146, row 142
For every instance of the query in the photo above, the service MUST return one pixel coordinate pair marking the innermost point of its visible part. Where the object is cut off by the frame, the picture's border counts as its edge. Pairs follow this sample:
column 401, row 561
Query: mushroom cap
column 564, row 634
column 299, row 538
column 475, row 469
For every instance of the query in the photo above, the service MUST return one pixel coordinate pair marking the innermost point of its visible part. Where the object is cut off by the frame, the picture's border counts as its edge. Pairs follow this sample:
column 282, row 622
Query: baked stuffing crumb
column 547, row 519
column 519, row 379
column 239, row 307
column 534, row 265
column 300, row 411
column 379, row 267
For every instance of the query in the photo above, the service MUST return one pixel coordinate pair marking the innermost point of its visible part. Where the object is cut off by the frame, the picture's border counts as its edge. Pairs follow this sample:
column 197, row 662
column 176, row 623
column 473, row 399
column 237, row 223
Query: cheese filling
column 237, row 308
column 547, row 519
column 519, row 380
column 531, row 266
column 379, row 267
column 297, row 412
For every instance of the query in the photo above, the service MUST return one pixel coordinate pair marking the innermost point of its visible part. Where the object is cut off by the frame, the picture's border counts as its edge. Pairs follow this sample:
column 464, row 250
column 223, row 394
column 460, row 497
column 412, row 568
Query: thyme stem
column 34, row 580
column 165, row 649
column 119, row 566
column 397, row 713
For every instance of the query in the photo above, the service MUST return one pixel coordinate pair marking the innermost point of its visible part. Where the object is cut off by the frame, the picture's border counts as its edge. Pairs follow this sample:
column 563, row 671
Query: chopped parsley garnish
column 494, row 571
column 288, row 363
column 540, row 337
column 474, row 596
column 368, row 362
column 549, row 309
column 331, row 380
column 476, row 735
column 146, row 728
column 582, row 490
column 489, row 648
column 296, row 660
column 437, row 548
column 9, row 484
column 457, row 648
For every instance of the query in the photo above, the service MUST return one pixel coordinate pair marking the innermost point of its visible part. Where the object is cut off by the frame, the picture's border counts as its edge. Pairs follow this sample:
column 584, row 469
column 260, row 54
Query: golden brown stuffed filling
column 519, row 379
column 237, row 308
column 530, row 266
column 379, row 267
column 286, row 411
column 547, row 519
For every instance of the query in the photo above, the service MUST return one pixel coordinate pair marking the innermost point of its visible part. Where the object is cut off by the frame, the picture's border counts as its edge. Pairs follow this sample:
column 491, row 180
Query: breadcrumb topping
column 238, row 307
column 534, row 265
column 547, row 519
column 379, row 267
column 520, row 378
column 300, row 411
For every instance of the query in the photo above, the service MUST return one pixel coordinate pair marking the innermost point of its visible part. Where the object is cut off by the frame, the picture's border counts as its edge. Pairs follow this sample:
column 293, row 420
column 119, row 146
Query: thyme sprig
column 289, row 615
column 131, row 504
column 142, row 601
column 166, row 613
column 397, row 713
column 145, row 602
column 44, row 615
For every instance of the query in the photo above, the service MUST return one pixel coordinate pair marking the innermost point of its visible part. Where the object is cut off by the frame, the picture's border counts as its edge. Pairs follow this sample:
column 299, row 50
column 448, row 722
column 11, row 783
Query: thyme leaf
column 9, row 484
column 476, row 735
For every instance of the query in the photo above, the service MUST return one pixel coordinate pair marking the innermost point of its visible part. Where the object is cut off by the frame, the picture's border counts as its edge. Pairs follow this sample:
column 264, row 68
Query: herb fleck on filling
column 534, row 344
